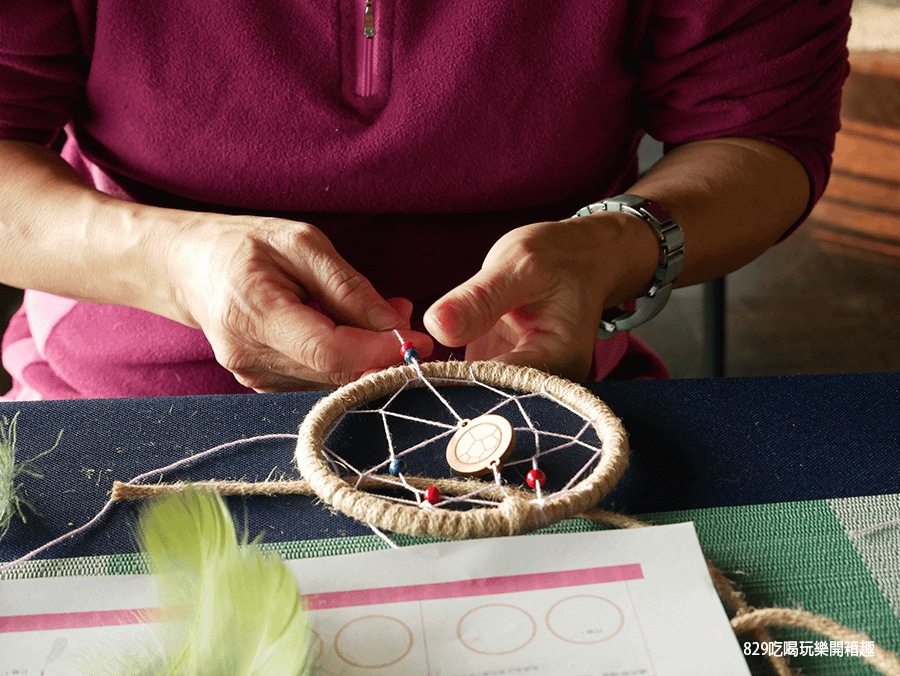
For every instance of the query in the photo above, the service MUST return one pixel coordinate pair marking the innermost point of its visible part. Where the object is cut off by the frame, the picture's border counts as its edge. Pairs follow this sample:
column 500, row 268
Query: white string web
column 562, row 459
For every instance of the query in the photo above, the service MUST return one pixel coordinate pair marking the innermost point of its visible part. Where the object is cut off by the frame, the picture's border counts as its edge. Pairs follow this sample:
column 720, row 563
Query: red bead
column 432, row 495
column 536, row 477
column 406, row 346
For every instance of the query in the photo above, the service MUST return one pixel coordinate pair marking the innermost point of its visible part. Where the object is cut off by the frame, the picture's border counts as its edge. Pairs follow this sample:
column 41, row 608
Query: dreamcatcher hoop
column 517, row 512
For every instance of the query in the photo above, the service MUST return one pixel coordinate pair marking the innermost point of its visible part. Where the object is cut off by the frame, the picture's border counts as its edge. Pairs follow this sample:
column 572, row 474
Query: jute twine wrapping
column 514, row 514
column 127, row 491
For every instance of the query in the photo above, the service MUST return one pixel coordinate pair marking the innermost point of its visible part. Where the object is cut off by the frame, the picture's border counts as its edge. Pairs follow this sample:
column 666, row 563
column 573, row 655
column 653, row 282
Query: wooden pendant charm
column 480, row 444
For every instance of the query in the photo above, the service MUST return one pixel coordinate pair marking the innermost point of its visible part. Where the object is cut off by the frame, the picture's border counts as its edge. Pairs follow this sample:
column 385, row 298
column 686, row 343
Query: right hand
column 247, row 282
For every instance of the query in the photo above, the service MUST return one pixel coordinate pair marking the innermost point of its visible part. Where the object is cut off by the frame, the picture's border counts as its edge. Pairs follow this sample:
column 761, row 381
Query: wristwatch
column 671, row 260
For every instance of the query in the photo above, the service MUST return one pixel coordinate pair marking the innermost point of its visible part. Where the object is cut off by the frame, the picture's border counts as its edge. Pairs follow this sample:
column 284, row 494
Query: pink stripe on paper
column 484, row 586
column 94, row 618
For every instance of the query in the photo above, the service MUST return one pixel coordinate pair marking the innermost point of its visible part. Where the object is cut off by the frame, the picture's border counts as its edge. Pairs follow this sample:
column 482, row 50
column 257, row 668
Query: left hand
column 538, row 297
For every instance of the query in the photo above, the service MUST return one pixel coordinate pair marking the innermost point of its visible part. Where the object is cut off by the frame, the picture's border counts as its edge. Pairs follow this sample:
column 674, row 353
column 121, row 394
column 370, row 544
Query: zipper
column 369, row 20
column 366, row 34
column 365, row 53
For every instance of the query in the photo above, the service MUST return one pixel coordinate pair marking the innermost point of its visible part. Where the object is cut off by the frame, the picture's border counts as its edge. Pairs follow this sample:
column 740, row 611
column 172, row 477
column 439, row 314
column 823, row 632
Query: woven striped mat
column 807, row 555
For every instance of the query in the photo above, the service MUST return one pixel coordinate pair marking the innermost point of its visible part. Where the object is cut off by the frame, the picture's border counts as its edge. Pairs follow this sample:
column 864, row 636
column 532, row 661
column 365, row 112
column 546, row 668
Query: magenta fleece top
column 413, row 150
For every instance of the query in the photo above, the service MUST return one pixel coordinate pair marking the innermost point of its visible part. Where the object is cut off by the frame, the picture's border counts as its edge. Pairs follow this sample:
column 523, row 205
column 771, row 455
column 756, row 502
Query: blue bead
column 397, row 466
column 410, row 355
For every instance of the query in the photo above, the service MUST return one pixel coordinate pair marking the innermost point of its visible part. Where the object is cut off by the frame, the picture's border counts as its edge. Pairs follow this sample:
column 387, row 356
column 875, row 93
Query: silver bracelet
column 671, row 260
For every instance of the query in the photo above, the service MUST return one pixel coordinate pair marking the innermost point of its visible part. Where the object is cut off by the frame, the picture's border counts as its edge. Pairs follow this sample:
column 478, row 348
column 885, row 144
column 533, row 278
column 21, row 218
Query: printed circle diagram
column 496, row 629
column 354, row 644
column 317, row 645
column 585, row 619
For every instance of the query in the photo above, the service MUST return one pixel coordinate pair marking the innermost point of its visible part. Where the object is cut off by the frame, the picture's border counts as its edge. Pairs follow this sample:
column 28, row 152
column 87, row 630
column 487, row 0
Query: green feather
column 8, row 498
column 11, row 500
column 243, row 615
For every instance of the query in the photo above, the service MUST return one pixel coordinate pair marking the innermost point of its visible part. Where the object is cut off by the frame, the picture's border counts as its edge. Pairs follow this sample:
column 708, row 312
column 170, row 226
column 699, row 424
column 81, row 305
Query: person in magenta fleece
column 252, row 195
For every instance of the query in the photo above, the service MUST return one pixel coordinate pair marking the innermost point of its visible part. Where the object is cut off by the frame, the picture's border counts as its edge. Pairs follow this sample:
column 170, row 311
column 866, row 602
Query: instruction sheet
column 635, row 602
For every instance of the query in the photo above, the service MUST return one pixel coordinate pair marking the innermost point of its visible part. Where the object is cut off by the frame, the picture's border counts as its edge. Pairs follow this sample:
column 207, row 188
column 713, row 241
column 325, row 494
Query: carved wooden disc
column 479, row 444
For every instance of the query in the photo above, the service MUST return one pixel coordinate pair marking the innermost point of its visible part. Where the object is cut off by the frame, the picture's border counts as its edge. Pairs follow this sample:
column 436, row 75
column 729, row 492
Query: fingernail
column 453, row 321
column 383, row 317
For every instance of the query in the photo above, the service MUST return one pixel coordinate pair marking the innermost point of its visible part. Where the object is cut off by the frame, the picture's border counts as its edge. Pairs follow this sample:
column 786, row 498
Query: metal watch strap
column 671, row 259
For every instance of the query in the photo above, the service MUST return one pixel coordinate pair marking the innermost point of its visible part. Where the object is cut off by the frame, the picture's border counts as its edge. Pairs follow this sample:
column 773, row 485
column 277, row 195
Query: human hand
column 538, row 298
column 248, row 283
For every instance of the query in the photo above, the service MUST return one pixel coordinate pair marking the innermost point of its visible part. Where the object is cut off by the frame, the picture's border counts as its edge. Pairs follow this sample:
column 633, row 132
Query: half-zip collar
column 368, row 27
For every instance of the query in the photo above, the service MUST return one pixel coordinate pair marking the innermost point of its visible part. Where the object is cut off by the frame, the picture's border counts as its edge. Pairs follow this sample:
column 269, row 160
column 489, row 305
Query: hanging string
column 411, row 357
column 158, row 472
column 877, row 527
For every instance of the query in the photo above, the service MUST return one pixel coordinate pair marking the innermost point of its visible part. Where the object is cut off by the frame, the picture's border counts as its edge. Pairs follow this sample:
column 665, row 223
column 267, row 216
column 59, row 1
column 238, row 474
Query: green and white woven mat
column 804, row 555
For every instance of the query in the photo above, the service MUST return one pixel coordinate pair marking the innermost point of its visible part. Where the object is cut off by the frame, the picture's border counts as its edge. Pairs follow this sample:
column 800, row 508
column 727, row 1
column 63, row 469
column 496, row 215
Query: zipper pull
column 369, row 21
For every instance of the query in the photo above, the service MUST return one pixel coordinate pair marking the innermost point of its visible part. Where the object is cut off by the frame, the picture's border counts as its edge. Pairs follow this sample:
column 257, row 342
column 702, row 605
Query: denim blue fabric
column 695, row 443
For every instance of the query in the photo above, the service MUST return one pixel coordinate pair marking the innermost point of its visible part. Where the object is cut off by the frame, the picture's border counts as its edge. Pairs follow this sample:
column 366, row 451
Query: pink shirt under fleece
column 413, row 151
